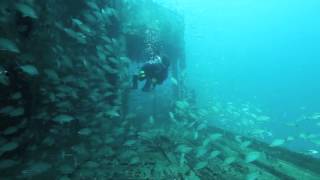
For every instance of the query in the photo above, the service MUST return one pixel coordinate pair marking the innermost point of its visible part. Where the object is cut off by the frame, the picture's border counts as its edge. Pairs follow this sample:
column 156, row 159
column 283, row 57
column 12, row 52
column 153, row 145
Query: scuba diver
column 154, row 72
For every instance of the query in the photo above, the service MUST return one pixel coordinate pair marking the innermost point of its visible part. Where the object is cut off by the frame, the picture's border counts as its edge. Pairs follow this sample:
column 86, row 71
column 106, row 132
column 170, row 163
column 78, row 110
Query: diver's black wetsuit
column 154, row 72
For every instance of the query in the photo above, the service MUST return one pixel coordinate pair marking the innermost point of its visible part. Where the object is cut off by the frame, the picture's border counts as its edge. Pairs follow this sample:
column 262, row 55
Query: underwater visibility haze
column 265, row 53
column 159, row 89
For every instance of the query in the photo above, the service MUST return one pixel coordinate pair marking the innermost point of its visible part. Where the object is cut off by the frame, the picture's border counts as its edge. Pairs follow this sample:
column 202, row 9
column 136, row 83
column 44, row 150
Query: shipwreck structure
column 67, row 112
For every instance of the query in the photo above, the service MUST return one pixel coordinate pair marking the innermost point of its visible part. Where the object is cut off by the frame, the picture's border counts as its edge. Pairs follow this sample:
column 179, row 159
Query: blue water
column 263, row 52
